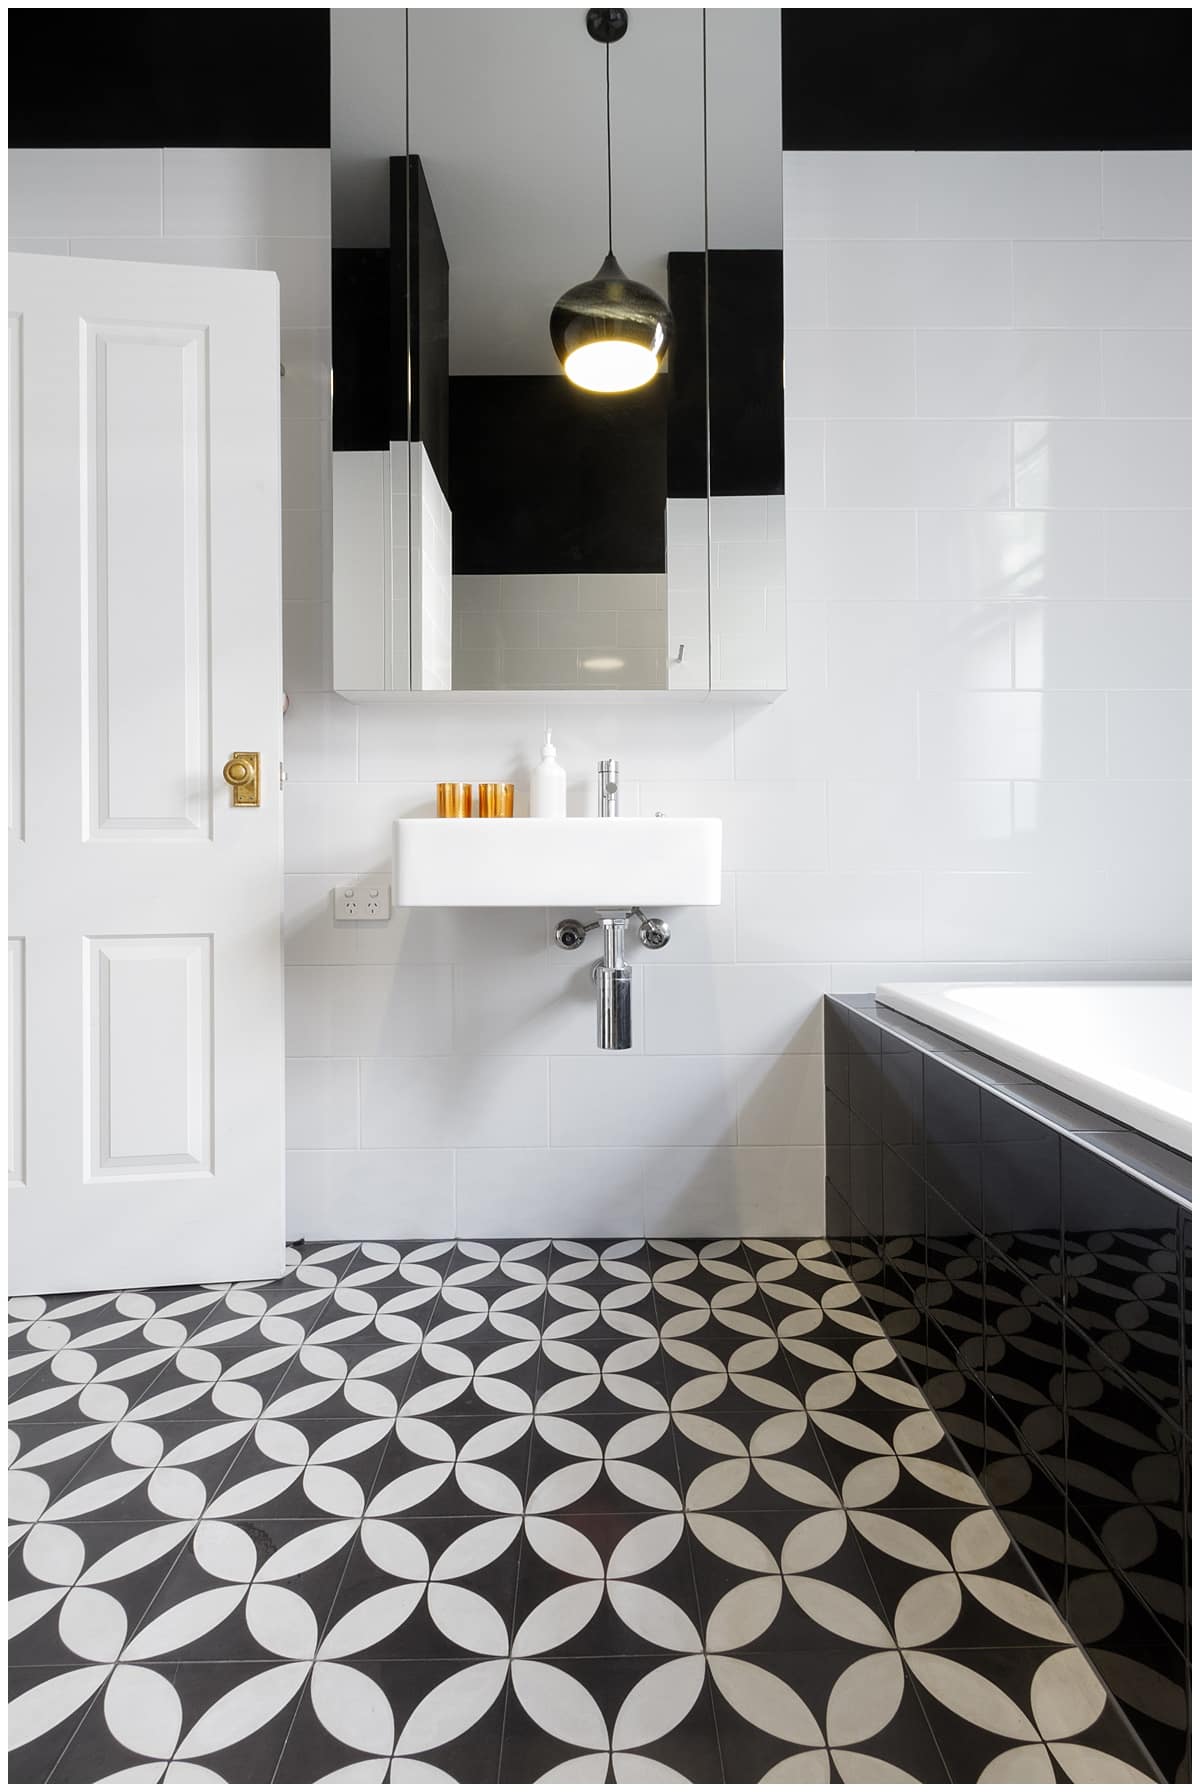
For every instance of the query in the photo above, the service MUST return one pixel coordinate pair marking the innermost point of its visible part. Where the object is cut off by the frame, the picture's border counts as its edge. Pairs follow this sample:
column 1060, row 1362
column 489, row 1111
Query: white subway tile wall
column 979, row 768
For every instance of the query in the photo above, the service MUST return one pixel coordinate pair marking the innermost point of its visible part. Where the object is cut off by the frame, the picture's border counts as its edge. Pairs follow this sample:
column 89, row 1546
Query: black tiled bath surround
column 1036, row 1288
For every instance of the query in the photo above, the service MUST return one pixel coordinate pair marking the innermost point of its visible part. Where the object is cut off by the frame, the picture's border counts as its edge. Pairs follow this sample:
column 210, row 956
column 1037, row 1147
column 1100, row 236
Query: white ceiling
column 508, row 118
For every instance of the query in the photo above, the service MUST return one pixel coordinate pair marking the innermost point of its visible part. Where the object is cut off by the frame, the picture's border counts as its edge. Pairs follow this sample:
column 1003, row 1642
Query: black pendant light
column 610, row 332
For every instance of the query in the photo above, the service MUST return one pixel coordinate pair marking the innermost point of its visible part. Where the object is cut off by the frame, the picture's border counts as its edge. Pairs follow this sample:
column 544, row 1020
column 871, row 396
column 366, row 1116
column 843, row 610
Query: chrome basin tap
column 608, row 794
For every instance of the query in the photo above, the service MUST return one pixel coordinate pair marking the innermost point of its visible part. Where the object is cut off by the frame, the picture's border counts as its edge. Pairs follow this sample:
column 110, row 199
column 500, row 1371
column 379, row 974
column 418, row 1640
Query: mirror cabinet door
column 370, row 429
column 509, row 512
column 747, row 584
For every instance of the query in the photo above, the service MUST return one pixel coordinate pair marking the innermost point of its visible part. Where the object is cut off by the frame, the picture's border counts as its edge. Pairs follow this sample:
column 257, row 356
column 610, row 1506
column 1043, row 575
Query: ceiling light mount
column 607, row 24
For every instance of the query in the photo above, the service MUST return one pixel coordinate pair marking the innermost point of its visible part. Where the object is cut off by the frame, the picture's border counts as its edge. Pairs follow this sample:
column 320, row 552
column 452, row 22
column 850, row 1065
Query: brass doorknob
column 241, row 774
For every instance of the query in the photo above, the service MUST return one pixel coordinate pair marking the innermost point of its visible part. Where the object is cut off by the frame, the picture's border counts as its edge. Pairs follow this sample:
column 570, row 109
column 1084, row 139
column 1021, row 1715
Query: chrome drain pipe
column 614, row 988
column 611, row 973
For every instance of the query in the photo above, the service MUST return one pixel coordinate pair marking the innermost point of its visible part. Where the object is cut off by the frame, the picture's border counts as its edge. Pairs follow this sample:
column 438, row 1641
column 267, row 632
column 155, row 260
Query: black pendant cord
column 608, row 137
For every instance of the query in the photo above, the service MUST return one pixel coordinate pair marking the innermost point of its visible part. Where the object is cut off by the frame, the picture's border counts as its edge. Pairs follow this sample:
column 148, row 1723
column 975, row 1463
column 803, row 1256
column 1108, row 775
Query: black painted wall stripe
column 983, row 78
column 854, row 78
column 163, row 78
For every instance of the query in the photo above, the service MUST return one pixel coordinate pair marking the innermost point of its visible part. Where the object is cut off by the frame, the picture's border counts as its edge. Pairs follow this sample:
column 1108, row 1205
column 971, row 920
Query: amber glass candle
column 495, row 800
column 454, row 800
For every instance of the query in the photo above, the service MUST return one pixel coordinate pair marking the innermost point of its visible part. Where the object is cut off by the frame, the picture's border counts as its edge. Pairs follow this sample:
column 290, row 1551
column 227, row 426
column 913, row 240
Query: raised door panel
column 146, row 564
column 150, row 1039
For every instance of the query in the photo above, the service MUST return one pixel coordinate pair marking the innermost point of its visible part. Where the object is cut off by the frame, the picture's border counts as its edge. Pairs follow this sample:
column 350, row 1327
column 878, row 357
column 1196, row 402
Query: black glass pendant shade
column 610, row 332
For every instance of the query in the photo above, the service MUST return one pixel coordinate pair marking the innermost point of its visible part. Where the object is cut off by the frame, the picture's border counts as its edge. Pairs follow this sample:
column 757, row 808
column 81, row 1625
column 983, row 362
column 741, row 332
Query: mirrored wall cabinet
column 558, row 420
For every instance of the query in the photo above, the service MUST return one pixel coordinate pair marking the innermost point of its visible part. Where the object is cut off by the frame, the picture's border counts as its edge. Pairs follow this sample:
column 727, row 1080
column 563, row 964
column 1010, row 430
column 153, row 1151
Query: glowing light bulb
column 611, row 366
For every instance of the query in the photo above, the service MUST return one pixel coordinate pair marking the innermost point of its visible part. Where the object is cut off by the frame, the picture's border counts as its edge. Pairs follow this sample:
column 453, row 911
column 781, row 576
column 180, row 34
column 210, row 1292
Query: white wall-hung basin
column 578, row 863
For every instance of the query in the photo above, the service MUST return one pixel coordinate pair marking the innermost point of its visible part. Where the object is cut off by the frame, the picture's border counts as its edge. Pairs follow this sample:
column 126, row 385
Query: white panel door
column 145, row 982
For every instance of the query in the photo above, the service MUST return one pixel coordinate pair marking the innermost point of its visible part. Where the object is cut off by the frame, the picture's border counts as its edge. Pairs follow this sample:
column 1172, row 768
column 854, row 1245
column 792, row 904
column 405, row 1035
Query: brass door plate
column 241, row 774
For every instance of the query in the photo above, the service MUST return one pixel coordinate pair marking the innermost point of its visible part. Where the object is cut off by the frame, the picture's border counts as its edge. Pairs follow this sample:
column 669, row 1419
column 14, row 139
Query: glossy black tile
column 836, row 1051
column 960, row 1403
column 1123, row 1470
column 953, row 1293
column 861, row 1033
column 953, row 1139
column 1146, row 1157
column 1180, row 1271
column 1024, row 1345
column 1029, row 1498
column 1098, row 1196
column 840, row 1224
column 1136, row 1336
column 866, row 1185
column 1103, row 1605
column 865, row 1088
column 1151, row 1689
column 903, row 1194
column 902, row 1102
column 1020, row 1178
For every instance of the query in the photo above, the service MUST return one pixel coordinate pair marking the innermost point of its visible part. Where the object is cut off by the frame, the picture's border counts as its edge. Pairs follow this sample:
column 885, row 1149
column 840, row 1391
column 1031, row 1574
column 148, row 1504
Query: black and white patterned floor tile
column 617, row 1511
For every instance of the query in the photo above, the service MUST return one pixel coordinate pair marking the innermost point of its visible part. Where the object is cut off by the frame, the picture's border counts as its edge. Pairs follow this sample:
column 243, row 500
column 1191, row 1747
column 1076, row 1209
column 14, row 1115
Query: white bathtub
column 1124, row 1048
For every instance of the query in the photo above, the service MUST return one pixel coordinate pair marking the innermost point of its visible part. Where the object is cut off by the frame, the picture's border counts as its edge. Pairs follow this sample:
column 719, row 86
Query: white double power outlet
column 365, row 901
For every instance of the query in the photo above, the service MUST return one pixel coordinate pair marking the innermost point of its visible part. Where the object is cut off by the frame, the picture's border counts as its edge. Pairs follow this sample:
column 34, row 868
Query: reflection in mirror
column 497, row 525
column 557, row 496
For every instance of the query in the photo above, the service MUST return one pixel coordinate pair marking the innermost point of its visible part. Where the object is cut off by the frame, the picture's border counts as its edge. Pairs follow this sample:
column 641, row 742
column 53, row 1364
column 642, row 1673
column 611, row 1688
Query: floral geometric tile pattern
column 601, row 1512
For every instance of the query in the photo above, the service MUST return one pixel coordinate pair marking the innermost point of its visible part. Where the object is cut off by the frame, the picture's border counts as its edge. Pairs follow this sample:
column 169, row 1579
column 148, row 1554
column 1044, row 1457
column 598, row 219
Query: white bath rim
column 1121, row 1048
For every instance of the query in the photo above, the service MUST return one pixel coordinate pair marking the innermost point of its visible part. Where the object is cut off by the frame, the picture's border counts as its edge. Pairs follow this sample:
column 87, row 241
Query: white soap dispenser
column 548, row 786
